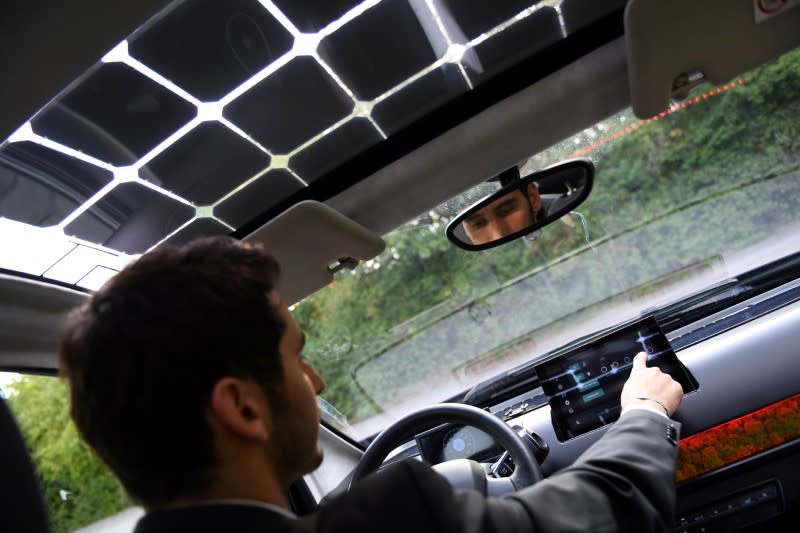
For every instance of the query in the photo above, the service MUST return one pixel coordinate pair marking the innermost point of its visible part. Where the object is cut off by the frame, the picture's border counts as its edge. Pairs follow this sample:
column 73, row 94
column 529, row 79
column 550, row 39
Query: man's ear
column 241, row 407
column 534, row 198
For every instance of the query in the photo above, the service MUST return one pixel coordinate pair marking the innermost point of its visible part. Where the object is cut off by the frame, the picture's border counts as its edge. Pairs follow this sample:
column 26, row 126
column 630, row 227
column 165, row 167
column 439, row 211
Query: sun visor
column 308, row 239
column 675, row 45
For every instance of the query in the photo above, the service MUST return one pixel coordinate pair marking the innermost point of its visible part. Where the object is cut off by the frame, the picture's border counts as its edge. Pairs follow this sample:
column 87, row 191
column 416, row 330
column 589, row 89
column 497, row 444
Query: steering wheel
column 461, row 473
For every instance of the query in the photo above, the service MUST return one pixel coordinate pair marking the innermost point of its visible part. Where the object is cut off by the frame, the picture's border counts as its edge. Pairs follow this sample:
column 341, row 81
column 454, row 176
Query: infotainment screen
column 584, row 385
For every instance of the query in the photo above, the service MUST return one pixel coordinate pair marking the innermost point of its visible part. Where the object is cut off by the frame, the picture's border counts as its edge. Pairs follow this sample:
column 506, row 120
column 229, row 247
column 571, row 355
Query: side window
column 77, row 487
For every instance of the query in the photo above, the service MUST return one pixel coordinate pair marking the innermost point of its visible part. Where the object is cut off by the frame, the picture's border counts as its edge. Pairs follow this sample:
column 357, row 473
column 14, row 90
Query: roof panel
column 351, row 138
column 209, row 47
column 503, row 49
column 475, row 18
column 202, row 227
column 130, row 218
column 383, row 47
column 419, row 98
column 206, row 163
column 116, row 115
column 290, row 106
column 262, row 194
column 41, row 186
column 579, row 13
column 310, row 16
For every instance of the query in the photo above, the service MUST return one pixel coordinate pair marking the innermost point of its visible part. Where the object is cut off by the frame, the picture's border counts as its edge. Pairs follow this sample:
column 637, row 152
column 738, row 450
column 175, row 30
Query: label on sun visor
column 766, row 9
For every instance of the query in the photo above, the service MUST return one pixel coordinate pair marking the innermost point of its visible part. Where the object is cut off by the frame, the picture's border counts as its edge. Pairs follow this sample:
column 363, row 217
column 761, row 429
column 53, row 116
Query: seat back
column 21, row 504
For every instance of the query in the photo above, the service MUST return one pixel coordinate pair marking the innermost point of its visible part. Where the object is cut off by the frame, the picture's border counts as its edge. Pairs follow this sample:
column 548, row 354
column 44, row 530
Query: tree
column 78, row 488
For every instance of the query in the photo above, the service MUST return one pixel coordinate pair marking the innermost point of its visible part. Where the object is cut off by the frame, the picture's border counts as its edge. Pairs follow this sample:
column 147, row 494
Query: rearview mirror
column 522, row 206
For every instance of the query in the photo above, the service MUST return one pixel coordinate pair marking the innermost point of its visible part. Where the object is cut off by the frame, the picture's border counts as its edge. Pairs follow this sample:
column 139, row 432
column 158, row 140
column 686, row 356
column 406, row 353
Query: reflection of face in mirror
column 512, row 212
column 522, row 206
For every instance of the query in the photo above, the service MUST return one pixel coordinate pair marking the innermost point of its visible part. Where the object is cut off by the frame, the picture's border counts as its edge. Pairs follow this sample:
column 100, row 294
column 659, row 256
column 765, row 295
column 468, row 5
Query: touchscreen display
column 584, row 385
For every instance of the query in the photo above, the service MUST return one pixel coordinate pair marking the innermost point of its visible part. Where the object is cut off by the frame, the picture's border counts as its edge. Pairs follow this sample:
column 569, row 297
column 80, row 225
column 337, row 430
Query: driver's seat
column 21, row 504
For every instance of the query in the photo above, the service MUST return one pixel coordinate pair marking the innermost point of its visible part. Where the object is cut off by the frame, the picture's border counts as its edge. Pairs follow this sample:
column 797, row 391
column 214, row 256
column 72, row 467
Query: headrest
column 21, row 505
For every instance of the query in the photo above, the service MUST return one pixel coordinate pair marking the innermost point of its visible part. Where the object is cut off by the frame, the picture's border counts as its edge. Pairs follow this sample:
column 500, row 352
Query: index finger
column 640, row 360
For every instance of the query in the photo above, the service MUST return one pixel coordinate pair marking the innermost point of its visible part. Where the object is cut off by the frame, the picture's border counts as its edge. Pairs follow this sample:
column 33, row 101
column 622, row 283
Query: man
column 186, row 376
column 512, row 212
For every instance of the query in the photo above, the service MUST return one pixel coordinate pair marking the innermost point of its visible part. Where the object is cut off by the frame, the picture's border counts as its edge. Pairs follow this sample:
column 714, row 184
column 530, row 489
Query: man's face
column 508, row 214
column 295, row 435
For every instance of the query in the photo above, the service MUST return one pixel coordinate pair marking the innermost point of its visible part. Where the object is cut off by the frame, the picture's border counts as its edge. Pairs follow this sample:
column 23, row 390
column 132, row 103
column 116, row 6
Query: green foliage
column 63, row 461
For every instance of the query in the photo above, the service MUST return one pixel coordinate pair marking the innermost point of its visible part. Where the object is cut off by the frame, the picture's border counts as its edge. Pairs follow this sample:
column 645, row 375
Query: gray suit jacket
column 624, row 482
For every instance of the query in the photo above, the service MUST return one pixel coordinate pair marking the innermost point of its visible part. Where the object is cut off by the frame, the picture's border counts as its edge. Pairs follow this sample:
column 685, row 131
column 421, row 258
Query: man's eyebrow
column 506, row 203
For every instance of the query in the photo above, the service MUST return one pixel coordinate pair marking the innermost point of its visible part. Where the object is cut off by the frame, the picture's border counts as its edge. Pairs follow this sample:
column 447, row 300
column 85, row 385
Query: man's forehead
column 514, row 195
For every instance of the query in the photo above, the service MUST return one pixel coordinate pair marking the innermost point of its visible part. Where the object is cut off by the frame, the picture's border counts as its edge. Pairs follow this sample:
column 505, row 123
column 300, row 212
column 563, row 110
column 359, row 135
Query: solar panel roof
column 214, row 111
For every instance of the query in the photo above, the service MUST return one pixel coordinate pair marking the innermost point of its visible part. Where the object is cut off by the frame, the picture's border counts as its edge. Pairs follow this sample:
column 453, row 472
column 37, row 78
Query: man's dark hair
column 508, row 176
column 143, row 355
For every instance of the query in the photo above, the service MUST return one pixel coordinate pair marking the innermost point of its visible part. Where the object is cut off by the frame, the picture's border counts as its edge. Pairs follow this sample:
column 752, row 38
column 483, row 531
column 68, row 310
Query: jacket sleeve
column 624, row 482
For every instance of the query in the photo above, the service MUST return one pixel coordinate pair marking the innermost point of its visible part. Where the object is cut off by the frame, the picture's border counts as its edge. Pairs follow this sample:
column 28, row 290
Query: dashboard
column 739, row 462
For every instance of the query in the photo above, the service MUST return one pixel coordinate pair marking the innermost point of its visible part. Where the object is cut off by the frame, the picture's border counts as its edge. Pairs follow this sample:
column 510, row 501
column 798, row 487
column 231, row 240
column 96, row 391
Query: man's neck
column 238, row 486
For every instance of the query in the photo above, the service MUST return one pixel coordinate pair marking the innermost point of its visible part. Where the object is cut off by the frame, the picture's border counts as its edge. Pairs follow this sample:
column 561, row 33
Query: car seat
column 21, row 504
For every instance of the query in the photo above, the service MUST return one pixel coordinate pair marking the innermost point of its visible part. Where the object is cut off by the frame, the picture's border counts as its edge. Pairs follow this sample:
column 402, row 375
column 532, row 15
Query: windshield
column 700, row 193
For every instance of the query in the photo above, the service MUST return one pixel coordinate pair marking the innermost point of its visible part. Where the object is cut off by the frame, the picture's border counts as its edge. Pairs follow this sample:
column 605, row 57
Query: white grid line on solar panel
column 121, row 175
column 254, row 178
column 212, row 217
column 257, row 78
column 174, row 232
column 121, row 53
column 522, row 15
column 360, row 9
column 85, row 206
column 280, row 17
column 243, row 134
column 561, row 21
column 196, row 217
column 350, row 15
column 206, row 111
column 282, row 165
column 27, row 134
column 166, row 143
column 347, row 17
column 360, row 107
column 437, row 17
column 334, row 76
column 228, row 195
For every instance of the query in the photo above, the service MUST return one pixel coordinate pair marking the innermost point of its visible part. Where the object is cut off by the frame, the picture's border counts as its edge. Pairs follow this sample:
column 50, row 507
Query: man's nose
column 496, row 231
column 316, row 380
